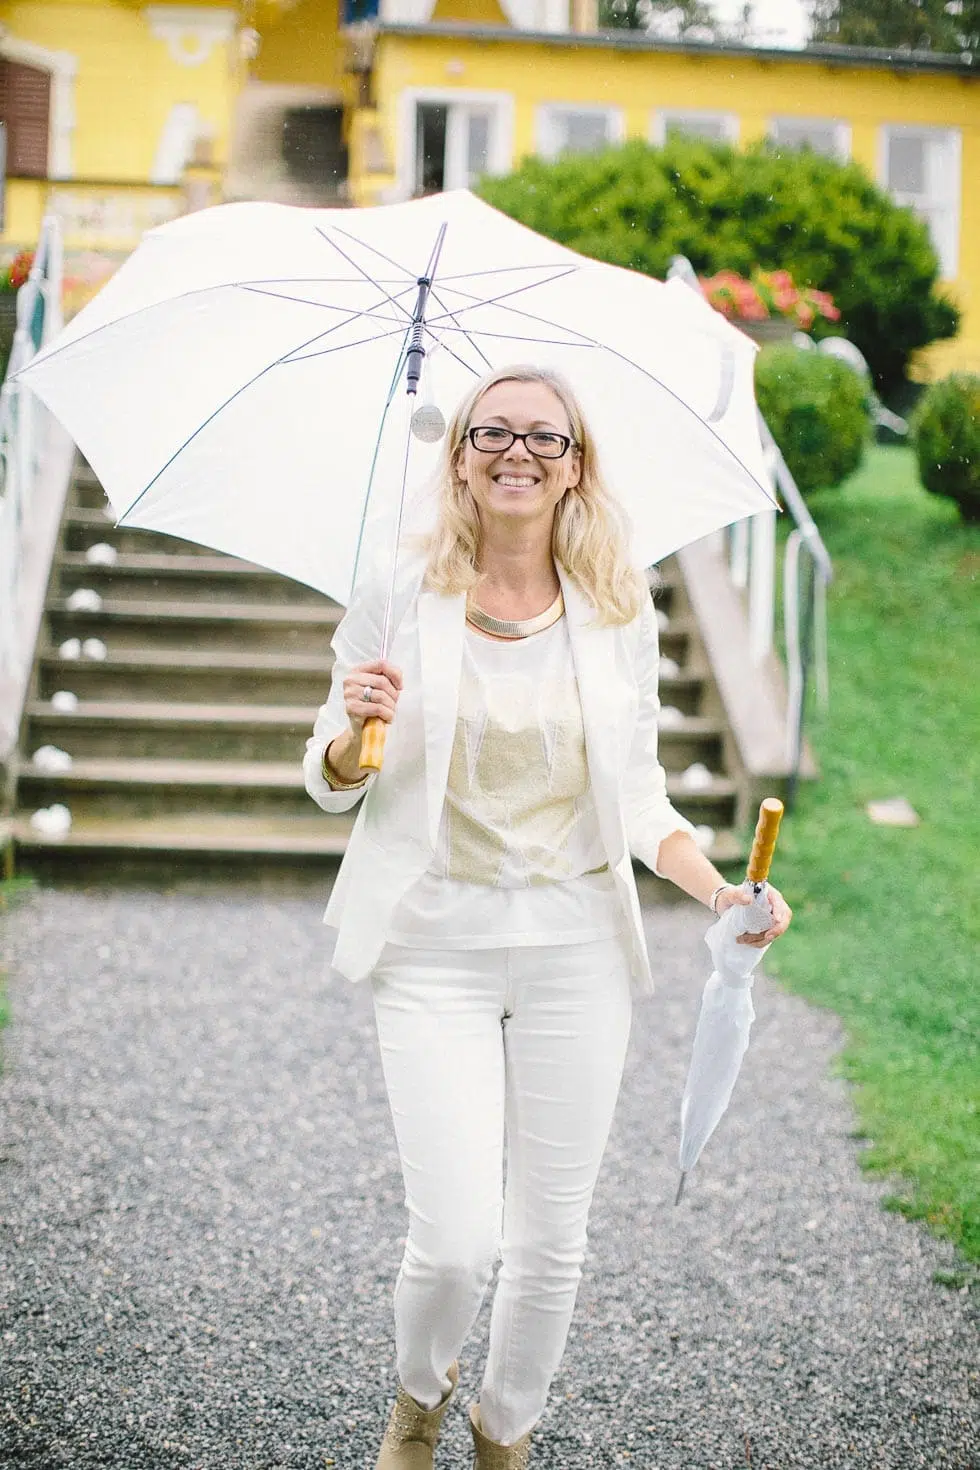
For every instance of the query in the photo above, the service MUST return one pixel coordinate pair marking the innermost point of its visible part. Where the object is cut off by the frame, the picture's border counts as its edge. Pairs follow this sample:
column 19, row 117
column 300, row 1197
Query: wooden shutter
column 25, row 107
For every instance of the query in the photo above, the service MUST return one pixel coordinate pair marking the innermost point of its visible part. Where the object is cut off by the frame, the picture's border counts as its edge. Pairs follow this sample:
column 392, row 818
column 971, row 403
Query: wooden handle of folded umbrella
column 764, row 843
column 372, row 753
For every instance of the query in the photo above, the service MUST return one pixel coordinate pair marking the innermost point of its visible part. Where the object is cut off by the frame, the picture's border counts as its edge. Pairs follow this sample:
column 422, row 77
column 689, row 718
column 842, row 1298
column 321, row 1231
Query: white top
column 519, row 859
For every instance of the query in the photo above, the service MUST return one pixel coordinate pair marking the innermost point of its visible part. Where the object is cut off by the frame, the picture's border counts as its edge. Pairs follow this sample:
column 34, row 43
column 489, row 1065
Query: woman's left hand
column 781, row 914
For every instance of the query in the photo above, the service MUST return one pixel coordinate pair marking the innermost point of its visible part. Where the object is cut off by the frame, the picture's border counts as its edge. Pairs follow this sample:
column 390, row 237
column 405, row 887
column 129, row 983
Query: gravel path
column 201, row 1219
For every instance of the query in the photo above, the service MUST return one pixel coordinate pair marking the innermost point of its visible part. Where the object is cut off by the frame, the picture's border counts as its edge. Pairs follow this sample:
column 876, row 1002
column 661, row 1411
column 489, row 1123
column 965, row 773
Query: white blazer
column 397, row 827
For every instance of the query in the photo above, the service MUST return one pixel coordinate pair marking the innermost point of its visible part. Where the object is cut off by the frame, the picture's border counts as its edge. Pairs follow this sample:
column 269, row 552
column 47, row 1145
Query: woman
column 488, row 889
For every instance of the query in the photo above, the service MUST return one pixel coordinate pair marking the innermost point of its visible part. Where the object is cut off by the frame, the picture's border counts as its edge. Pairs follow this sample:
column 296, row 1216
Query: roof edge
column 886, row 59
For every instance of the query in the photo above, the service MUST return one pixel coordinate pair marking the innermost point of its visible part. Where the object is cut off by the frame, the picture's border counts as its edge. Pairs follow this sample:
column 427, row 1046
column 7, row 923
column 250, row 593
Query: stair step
column 273, row 732
column 117, row 785
column 234, row 837
column 185, row 576
column 84, row 525
column 132, row 623
column 323, row 834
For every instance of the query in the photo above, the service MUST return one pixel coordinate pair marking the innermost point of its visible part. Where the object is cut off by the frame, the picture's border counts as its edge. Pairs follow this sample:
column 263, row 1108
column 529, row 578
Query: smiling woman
column 488, row 890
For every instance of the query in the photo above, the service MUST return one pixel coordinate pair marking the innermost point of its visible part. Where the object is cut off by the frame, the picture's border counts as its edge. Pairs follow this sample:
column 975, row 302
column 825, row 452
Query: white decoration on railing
column 52, row 821
column 704, row 836
column 84, row 599
column 697, row 777
column 670, row 717
column 51, row 760
column 64, row 701
column 101, row 555
column 71, row 648
column 663, row 621
column 669, row 667
column 94, row 648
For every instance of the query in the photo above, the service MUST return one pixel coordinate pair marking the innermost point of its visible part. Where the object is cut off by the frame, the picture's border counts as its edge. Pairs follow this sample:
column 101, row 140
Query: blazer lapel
column 594, row 651
column 441, row 621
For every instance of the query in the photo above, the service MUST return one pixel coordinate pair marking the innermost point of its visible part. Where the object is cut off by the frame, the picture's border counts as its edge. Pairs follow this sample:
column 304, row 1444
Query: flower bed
column 768, row 296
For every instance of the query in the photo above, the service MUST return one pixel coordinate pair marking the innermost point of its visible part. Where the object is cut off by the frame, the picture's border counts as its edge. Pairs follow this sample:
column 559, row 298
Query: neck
column 517, row 561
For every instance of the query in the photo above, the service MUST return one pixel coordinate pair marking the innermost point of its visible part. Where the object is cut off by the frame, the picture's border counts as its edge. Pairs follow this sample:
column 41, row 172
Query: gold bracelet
column 335, row 782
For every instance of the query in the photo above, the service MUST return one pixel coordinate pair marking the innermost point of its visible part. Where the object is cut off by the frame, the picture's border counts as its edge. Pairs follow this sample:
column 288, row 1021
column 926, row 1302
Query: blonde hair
column 590, row 535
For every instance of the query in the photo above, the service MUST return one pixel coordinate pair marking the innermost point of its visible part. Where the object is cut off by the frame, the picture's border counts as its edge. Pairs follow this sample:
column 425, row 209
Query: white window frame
column 842, row 131
column 501, row 143
column 63, row 68
column 664, row 116
column 546, row 138
column 948, row 248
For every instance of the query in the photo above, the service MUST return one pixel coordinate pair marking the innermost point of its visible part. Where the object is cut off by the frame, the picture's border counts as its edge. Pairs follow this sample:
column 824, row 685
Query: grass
column 887, row 920
column 11, row 889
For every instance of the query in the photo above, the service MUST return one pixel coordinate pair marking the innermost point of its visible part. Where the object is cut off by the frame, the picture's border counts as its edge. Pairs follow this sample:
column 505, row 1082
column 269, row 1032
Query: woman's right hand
column 384, row 682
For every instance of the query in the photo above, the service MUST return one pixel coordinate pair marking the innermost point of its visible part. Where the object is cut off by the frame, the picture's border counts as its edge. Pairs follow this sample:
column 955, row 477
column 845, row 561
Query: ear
column 457, row 466
column 575, row 469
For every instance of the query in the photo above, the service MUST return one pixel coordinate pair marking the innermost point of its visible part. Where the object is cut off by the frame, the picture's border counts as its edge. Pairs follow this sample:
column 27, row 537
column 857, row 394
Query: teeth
column 515, row 480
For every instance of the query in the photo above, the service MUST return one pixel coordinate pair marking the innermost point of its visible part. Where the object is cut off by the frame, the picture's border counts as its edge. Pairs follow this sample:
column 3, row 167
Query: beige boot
column 493, row 1456
column 412, row 1431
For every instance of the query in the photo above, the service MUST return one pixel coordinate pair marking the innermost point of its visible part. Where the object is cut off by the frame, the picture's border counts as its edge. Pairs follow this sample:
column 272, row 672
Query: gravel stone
column 201, row 1219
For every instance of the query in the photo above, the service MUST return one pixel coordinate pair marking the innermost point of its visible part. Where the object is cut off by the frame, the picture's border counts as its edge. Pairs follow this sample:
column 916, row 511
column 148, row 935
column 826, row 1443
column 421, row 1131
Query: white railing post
column 762, row 584
column 19, row 421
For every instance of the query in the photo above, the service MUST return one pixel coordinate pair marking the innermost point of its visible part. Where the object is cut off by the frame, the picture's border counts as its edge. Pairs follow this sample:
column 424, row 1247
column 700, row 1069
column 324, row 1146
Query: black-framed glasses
column 491, row 439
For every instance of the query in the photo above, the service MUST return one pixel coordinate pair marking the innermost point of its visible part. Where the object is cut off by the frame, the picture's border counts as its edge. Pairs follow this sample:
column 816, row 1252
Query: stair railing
column 753, row 556
column 22, row 418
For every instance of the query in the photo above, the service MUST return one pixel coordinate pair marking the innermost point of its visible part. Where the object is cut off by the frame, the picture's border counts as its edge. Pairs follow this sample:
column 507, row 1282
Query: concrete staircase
column 187, row 738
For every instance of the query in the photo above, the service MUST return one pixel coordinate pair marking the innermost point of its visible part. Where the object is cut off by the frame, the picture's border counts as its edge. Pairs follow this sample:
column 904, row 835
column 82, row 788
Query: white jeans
column 476, row 1045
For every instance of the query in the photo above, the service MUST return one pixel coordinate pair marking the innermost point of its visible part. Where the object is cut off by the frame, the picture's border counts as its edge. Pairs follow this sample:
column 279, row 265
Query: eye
column 546, row 444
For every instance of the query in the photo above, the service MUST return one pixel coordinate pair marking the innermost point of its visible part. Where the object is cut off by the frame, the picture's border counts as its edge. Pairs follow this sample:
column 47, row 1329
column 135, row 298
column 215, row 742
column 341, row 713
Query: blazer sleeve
column 356, row 641
column 650, row 817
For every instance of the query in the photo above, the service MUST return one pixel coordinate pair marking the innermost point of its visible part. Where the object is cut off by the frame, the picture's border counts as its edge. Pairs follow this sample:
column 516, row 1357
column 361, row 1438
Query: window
column 449, row 138
column 25, row 110
column 921, row 167
column 713, row 127
column 571, row 129
column 821, row 134
column 452, row 146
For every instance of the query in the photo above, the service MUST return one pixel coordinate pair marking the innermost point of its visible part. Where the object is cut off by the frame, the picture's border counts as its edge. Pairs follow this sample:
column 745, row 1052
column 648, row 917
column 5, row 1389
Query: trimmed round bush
column 946, row 436
column 817, row 410
column 825, row 222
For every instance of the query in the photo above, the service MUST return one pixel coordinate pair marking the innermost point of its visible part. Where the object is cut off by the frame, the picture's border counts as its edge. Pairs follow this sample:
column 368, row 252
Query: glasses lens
column 490, row 439
column 548, row 446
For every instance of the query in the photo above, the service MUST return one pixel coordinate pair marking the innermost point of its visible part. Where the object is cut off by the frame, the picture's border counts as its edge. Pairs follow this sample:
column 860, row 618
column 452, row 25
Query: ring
column 368, row 694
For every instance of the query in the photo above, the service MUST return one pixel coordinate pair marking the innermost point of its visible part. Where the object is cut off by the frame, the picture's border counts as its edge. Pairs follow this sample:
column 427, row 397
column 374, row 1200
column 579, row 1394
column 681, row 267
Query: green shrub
column 946, row 435
column 817, row 410
column 823, row 221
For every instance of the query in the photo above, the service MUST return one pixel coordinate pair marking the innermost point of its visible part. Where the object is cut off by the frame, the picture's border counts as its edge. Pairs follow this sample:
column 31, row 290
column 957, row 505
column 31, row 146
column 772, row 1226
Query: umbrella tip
column 680, row 1189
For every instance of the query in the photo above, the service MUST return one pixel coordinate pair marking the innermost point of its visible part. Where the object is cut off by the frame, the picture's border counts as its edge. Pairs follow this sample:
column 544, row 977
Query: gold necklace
column 515, row 627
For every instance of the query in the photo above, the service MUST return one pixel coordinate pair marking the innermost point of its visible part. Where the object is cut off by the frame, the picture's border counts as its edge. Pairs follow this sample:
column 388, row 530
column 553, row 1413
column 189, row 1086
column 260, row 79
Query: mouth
column 516, row 482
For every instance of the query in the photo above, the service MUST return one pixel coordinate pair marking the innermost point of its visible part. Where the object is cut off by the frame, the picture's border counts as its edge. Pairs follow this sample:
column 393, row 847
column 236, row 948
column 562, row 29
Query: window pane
column 430, row 147
column 907, row 164
column 477, row 146
column 583, row 132
column 806, row 133
column 710, row 128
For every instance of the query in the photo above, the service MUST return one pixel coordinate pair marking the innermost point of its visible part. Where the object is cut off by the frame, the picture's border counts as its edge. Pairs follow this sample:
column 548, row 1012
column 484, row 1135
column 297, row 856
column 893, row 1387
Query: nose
column 519, row 450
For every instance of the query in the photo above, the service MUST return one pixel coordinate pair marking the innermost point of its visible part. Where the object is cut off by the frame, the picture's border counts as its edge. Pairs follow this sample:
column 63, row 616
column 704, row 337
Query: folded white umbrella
column 236, row 383
column 727, row 1013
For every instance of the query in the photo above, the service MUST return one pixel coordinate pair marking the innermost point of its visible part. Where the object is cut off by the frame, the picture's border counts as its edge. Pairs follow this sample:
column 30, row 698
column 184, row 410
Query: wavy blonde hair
column 590, row 535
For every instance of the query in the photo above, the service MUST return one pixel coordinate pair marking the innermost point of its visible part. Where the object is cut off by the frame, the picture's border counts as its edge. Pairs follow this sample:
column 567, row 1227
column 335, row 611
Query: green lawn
column 887, row 920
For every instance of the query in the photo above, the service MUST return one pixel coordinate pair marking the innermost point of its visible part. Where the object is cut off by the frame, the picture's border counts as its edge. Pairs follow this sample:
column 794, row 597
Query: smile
column 516, row 482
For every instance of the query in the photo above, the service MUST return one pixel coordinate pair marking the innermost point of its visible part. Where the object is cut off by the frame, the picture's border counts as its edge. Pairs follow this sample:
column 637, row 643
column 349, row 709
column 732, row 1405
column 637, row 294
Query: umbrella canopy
column 727, row 1013
column 237, row 382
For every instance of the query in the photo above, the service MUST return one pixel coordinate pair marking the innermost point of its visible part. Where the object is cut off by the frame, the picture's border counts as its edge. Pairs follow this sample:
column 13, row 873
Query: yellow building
column 119, row 114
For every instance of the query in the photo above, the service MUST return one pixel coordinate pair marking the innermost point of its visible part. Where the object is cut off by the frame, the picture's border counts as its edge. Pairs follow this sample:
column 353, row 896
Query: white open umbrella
column 240, row 382
column 727, row 1012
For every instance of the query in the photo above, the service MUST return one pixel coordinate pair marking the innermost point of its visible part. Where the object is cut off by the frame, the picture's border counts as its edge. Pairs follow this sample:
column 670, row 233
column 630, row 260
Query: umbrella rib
column 350, row 261
column 478, row 301
column 452, row 318
column 349, row 311
column 269, row 367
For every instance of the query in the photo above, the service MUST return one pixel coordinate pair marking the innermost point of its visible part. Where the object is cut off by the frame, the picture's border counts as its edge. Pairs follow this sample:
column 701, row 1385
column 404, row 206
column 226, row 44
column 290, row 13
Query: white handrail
column 39, row 318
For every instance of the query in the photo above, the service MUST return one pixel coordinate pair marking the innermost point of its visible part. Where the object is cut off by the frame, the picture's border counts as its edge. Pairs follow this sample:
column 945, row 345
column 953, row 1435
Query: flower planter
column 768, row 331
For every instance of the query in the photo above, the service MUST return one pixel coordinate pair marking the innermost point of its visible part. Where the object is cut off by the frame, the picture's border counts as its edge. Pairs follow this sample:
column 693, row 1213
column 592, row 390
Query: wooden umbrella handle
column 764, row 842
column 372, row 753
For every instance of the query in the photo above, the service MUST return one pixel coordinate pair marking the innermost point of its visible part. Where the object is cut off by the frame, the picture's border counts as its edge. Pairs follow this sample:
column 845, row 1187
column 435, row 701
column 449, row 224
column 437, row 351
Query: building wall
column 640, row 82
column 128, row 80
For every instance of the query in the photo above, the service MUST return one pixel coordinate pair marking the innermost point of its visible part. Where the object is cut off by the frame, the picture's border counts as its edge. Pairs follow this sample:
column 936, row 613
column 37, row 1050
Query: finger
column 362, row 709
column 378, row 666
column 380, row 686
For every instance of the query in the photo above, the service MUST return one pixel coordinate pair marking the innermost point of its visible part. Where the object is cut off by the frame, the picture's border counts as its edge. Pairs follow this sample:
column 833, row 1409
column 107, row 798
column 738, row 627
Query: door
column 452, row 145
